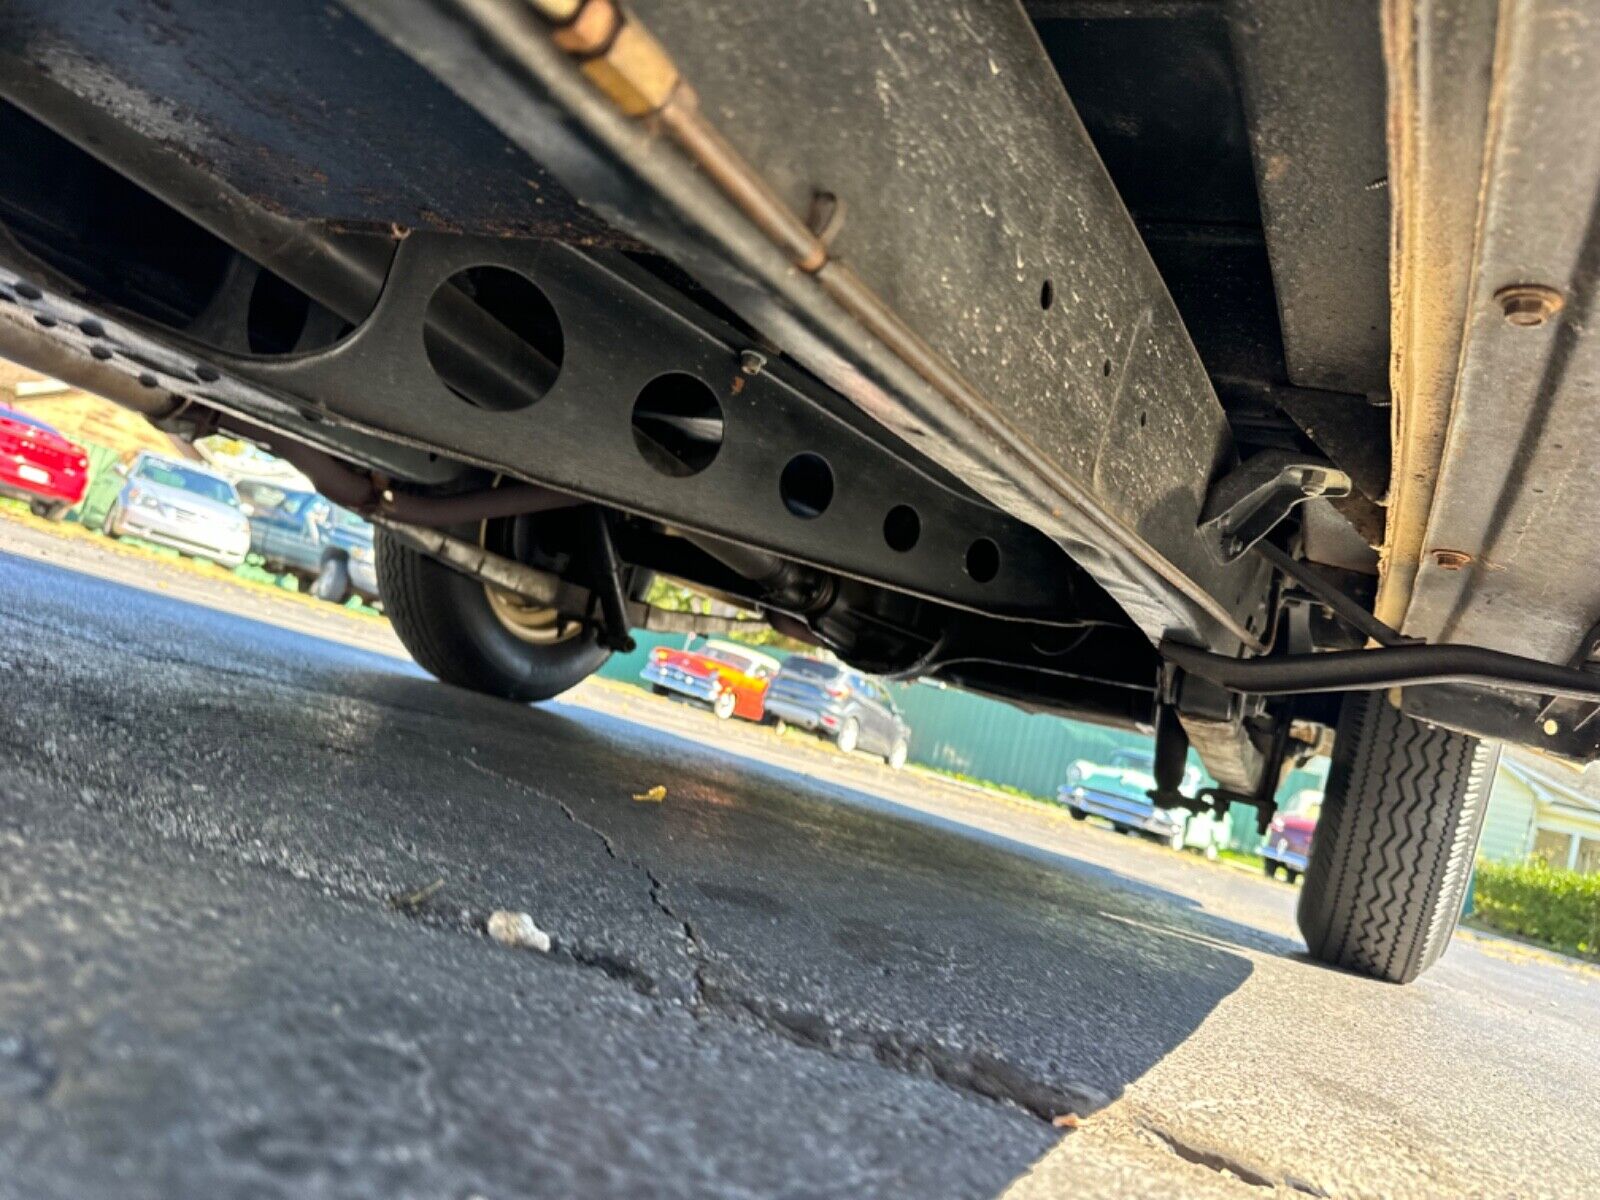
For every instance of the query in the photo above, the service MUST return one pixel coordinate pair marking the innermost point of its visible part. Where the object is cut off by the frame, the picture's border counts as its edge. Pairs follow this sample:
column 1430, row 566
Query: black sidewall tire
column 443, row 618
column 1393, row 850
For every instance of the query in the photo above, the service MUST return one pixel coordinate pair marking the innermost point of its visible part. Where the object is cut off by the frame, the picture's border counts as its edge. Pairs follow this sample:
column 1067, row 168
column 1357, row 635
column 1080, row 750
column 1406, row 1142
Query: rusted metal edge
column 1438, row 121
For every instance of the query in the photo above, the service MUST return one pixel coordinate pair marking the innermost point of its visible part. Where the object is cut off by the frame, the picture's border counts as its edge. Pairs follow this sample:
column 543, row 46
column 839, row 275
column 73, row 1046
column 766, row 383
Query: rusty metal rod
column 681, row 119
column 361, row 493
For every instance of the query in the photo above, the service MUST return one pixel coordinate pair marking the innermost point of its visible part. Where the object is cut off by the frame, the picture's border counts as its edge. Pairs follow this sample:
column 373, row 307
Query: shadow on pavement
column 754, row 915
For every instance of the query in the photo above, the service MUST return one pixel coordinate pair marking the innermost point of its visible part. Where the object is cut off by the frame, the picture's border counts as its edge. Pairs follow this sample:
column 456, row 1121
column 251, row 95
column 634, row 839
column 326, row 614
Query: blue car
column 1118, row 792
column 297, row 532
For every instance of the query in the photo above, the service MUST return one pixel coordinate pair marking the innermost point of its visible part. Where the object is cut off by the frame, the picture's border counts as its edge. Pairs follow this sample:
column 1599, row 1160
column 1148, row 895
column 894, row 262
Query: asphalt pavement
column 246, row 868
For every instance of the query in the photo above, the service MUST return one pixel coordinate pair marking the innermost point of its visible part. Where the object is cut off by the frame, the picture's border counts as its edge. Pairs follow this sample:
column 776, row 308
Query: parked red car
column 731, row 679
column 1288, row 843
column 40, row 466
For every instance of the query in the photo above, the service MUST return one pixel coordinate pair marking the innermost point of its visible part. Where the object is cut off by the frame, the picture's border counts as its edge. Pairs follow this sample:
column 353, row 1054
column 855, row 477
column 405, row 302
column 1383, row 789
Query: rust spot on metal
column 1450, row 560
column 1528, row 304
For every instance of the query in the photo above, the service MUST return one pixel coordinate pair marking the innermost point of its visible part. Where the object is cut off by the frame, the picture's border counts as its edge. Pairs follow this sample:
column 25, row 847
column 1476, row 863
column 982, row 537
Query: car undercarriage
column 1182, row 364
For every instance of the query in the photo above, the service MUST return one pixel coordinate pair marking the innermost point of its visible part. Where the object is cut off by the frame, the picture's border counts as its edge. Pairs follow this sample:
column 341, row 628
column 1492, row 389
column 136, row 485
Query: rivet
column 1528, row 304
column 1451, row 560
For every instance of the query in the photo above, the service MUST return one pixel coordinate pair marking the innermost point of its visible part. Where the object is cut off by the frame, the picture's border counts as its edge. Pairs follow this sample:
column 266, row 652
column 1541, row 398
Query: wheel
column 1291, row 876
column 849, row 735
column 49, row 510
column 1078, row 814
column 112, row 518
column 898, row 755
column 723, row 705
column 332, row 582
column 1269, row 868
column 452, row 629
column 657, row 690
column 1393, row 849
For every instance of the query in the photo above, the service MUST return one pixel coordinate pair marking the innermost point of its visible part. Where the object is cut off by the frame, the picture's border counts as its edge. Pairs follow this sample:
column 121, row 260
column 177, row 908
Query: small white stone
column 517, row 929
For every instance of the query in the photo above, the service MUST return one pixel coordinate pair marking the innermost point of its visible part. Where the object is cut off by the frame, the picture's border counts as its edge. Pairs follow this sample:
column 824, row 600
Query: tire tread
column 1394, row 845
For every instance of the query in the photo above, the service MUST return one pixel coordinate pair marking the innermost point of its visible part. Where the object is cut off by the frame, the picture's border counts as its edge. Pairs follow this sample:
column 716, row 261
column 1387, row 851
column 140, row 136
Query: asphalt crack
column 972, row 1071
column 604, row 960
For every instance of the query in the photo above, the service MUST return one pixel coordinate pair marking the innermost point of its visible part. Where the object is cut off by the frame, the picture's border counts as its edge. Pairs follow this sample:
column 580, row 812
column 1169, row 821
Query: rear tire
column 849, row 736
column 1393, row 849
column 898, row 754
column 445, row 621
column 1269, row 868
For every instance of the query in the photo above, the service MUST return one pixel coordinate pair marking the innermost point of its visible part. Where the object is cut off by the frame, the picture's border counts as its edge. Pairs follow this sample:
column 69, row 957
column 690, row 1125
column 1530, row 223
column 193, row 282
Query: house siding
column 1508, row 822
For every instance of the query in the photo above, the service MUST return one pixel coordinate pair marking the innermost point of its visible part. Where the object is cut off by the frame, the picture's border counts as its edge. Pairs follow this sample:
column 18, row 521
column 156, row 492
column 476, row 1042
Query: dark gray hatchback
column 855, row 710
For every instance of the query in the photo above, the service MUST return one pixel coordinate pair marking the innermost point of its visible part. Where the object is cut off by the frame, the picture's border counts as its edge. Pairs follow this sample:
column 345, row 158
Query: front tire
column 724, row 705
column 445, row 620
column 898, row 754
column 1393, row 849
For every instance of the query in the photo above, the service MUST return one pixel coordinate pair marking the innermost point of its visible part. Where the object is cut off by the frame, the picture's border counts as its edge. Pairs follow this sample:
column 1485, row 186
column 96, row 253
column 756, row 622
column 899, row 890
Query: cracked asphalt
column 798, row 976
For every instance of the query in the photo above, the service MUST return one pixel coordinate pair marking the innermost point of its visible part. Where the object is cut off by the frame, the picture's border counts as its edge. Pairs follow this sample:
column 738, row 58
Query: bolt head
column 557, row 11
column 1551, row 727
column 752, row 361
column 1528, row 305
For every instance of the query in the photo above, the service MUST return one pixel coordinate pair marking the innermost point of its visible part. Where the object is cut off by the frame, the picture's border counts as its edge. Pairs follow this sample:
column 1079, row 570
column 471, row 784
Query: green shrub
column 1537, row 901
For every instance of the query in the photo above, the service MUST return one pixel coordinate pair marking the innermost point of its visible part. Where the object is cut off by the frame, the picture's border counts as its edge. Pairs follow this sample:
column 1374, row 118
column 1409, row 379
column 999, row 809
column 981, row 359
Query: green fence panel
column 104, row 484
column 952, row 730
column 625, row 668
